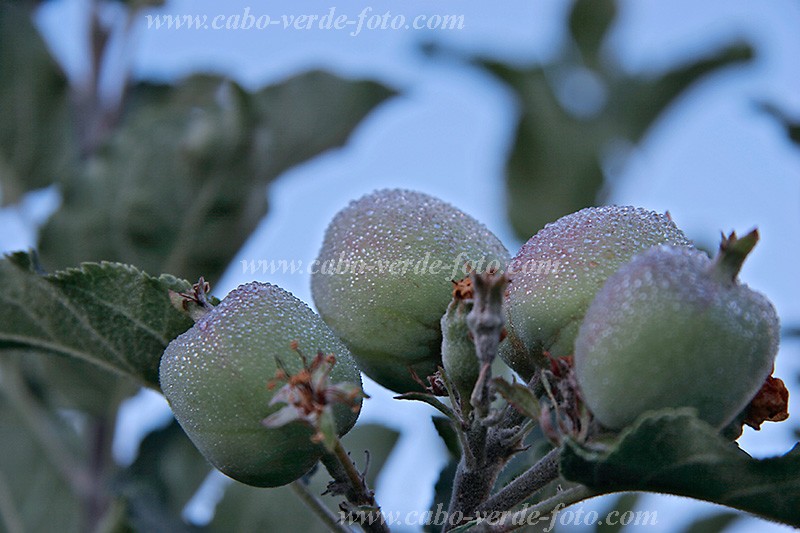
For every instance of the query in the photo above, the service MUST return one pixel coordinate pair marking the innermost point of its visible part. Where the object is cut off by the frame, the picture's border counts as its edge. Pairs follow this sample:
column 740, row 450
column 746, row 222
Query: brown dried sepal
column 309, row 395
column 463, row 290
column 771, row 404
column 435, row 383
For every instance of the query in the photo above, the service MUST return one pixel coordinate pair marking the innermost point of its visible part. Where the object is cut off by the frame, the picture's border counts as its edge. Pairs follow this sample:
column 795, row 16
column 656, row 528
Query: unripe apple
column 673, row 328
column 557, row 273
column 385, row 274
column 215, row 378
column 459, row 357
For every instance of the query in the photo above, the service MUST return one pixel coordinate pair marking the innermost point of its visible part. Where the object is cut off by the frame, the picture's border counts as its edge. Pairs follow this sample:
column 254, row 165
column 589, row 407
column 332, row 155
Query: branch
column 553, row 505
column 524, row 486
column 487, row 446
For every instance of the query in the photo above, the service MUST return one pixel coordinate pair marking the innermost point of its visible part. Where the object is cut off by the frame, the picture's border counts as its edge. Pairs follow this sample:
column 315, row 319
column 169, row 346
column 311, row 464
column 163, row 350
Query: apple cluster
column 651, row 321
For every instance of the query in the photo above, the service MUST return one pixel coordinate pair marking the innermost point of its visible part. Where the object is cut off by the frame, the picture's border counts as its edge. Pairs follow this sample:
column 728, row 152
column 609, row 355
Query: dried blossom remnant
column 309, row 396
column 435, row 385
column 564, row 412
column 771, row 404
column 195, row 302
column 463, row 290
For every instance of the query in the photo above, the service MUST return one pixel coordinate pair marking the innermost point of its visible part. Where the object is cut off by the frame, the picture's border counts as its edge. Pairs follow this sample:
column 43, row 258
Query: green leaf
column 673, row 452
column 108, row 314
column 182, row 182
column 790, row 124
column 157, row 486
column 589, row 22
column 34, row 132
column 430, row 399
column 553, row 168
column 444, row 427
column 636, row 103
column 442, row 492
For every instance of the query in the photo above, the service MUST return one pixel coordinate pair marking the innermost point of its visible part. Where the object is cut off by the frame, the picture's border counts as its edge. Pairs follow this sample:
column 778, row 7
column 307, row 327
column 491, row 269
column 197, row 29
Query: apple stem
column 353, row 485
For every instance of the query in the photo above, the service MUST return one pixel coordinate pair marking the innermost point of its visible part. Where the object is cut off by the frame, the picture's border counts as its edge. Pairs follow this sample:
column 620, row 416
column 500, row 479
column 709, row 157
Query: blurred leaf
column 554, row 167
column 574, row 110
column 589, row 21
column 378, row 440
column 162, row 480
column 444, row 427
column 441, row 496
column 69, row 383
column 636, row 103
column 716, row 523
column 249, row 509
column 34, row 492
column 108, row 314
column 34, row 131
column 143, row 3
column 675, row 453
column 622, row 504
column 183, row 181
column 790, row 124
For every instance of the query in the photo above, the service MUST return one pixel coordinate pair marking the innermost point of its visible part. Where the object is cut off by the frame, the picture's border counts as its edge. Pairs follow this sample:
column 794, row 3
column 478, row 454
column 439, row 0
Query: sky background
column 715, row 161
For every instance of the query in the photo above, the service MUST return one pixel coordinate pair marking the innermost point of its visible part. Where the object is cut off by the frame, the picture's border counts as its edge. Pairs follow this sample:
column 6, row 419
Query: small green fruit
column 557, row 273
column 385, row 279
column 215, row 378
column 459, row 357
column 673, row 328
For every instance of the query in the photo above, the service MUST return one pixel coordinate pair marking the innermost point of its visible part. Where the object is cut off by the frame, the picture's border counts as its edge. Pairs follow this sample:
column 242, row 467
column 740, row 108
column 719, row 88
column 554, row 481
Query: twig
column 524, row 486
column 101, row 431
column 551, row 505
column 485, row 322
column 487, row 448
column 355, row 489
column 318, row 508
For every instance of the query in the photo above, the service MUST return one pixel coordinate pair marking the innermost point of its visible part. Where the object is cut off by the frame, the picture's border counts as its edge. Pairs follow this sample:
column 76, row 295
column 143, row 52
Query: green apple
column 672, row 328
column 215, row 378
column 557, row 273
column 384, row 279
